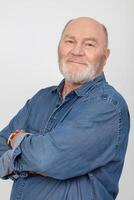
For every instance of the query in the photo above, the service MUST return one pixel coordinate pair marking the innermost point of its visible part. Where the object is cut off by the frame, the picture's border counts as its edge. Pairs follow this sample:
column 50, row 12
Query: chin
column 77, row 74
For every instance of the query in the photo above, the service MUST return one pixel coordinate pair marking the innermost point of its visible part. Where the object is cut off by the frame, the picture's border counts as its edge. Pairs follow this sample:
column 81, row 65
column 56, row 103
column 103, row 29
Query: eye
column 69, row 41
column 89, row 44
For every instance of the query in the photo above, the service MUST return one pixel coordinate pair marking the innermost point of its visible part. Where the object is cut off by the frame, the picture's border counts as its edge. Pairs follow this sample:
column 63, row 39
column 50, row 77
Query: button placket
column 52, row 118
column 51, row 123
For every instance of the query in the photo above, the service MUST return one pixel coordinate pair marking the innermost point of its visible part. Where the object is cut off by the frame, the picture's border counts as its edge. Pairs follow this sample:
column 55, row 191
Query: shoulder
column 113, row 97
column 105, row 100
column 111, row 101
column 42, row 94
column 109, row 95
column 44, row 91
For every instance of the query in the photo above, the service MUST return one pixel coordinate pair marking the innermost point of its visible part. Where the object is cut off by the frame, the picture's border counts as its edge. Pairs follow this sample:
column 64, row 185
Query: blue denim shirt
column 76, row 146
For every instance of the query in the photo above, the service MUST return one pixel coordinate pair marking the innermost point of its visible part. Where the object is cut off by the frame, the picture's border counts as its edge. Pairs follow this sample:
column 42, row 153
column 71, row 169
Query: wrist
column 13, row 135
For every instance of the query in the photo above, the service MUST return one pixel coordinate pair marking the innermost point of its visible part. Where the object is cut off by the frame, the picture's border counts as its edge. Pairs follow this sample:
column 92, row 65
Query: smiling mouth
column 77, row 62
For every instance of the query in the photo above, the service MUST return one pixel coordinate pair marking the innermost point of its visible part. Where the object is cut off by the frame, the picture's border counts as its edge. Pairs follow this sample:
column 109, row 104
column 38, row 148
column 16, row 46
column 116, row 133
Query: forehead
column 84, row 29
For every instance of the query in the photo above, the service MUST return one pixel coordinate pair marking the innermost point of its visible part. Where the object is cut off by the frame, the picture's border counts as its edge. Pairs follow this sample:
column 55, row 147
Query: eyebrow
column 69, row 36
column 85, row 39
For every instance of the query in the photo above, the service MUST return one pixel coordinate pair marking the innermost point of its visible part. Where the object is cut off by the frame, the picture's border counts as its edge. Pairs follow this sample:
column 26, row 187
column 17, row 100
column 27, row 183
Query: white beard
column 82, row 76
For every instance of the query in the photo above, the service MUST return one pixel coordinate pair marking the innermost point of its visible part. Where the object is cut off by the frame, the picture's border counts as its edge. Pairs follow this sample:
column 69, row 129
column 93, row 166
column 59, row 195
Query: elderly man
column 75, row 135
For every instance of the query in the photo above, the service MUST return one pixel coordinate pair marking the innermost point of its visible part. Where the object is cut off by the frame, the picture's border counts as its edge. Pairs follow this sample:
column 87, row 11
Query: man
column 75, row 135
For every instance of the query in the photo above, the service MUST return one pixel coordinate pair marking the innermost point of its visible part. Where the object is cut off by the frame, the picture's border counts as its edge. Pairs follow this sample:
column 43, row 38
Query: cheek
column 63, row 51
column 94, row 57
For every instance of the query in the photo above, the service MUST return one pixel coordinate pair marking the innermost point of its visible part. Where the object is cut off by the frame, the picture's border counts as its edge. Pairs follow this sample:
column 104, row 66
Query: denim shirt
column 76, row 146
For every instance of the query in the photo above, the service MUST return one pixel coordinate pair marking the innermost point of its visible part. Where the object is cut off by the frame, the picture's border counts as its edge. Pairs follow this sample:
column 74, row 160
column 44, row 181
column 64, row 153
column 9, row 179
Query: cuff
column 18, row 169
column 19, row 140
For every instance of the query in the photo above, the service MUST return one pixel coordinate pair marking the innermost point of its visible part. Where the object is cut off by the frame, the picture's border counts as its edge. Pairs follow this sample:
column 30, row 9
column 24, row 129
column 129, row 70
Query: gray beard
column 89, row 73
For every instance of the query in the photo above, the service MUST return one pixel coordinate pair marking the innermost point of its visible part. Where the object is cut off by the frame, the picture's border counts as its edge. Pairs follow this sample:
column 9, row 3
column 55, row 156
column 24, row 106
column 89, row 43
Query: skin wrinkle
column 82, row 52
column 103, row 27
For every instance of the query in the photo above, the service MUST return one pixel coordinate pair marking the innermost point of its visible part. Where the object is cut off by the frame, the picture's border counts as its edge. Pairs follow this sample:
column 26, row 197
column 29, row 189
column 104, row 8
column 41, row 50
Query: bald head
column 89, row 21
column 83, row 49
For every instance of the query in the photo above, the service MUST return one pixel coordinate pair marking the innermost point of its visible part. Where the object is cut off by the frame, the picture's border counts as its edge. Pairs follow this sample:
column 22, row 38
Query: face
column 82, row 50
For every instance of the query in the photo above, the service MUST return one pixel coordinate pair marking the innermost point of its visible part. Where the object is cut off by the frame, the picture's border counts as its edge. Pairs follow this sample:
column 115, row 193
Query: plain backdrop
column 29, row 35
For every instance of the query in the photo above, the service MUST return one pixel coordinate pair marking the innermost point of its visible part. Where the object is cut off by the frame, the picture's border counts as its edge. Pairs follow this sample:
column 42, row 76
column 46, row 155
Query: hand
column 13, row 141
column 37, row 174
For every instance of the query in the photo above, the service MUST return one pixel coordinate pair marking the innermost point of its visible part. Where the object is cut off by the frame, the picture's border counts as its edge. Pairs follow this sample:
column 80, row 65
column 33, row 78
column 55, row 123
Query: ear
column 108, row 52
column 58, row 48
column 106, row 55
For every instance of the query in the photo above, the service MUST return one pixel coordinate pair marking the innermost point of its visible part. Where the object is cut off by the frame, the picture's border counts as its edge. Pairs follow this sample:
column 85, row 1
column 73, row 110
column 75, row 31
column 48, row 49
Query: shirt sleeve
column 6, row 167
column 18, row 122
column 76, row 148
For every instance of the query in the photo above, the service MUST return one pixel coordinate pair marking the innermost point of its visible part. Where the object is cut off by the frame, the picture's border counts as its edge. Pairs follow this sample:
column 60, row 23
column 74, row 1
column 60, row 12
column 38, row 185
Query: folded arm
column 6, row 164
column 6, row 167
column 18, row 122
column 73, row 149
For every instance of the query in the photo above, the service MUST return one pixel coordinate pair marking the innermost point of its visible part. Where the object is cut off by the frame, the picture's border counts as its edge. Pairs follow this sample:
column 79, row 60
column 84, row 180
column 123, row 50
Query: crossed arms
column 71, row 149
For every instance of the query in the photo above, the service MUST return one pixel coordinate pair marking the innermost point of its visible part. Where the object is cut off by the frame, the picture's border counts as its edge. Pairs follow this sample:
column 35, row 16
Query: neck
column 68, row 87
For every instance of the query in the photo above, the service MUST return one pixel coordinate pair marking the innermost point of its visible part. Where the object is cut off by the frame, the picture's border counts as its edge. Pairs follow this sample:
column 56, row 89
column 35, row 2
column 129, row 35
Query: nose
column 77, row 50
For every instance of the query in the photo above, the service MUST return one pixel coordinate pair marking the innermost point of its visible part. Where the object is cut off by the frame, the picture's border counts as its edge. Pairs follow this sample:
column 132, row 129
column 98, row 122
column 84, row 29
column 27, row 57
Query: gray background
column 29, row 34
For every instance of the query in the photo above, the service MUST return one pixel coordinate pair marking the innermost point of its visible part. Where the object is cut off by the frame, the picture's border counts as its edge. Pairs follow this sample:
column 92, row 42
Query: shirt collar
column 82, row 90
